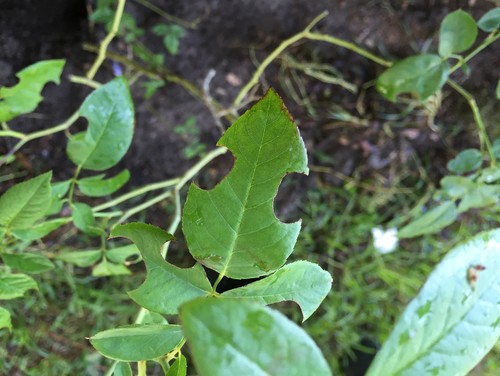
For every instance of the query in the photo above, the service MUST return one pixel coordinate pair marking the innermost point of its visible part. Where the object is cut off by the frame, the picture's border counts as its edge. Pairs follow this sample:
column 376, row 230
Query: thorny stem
column 483, row 136
column 101, row 56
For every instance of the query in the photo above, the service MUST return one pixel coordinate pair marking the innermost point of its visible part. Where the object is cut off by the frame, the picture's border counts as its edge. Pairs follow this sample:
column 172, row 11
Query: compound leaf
column 15, row 285
column 454, row 320
column 25, row 96
column 490, row 21
column 457, row 33
column 26, row 202
column 136, row 343
column 422, row 74
column 231, row 337
column 166, row 286
column 232, row 228
column 110, row 113
column 96, row 186
column 433, row 221
column 28, row 262
column 302, row 282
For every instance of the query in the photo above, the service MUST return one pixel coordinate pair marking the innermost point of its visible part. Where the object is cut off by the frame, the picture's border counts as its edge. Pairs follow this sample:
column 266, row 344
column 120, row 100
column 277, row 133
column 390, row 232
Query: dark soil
column 229, row 38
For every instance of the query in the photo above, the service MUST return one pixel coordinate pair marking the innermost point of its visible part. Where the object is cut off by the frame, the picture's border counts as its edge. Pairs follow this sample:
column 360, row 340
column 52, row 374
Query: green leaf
column 457, row 186
column 83, row 217
column 110, row 113
column 136, row 343
column 166, row 286
column 107, row 269
column 25, row 96
column 482, row 196
column 121, row 254
column 96, row 186
column 423, row 75
column 5, row 319
column 490, row 21
column 232, row 228
column 81, row 258
column 498, row 90
column 302, row 282
column 457, row 33
column 179, row 367
column 28, row 262
column 122, row 369
column 433, row 221
column 490, row 175
column 466, row 161
column 58, row 191
column 39, row 230
column 15, row 285
column 454, row 321
column 231, row 337
column 26, row 202
column 171, row 43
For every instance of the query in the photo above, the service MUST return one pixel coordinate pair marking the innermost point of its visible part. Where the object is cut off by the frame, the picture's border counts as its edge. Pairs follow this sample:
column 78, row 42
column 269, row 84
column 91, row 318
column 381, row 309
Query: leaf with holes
column 302, row 282
column 454, row 320
column 110, row 113
column 25, row 96
column 423, row 75
column 166, row 286
column 229, row 337
column 232, row 228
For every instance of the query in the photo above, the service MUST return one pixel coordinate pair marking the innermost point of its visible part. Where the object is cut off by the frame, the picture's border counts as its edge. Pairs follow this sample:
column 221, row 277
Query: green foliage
column 191, row 133
column 25, row 96
column 28, row 262
column 467, row 161
column 421, row 74
column 25, row 203
column 433, row 221
column 454, row 320
column 490, row 21
column 110, row 113
column 229, row 337
column 171, row 35
column 96, row 186
column 302, row 282
column 5, row 319
column 121, row 343
column 458, row 32
column 232, row 228
column 15, row 285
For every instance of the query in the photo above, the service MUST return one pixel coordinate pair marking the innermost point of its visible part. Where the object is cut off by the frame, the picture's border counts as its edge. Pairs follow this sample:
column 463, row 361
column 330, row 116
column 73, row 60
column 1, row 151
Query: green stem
column 305, row 34
column 168, row 17
column 141, row 368
column 136, row 209
column 11, row 133
column 85, row 81
column 483, row 136
column 46, row 132
column 101, row 56
column 135, row 193
column 489, row 40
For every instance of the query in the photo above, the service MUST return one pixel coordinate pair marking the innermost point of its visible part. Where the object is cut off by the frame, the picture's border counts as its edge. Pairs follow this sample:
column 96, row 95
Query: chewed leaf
column 302, row 282
column 25, row 96
column 110, row 113
column 232, row 228
column 166, row 286
column 423, row 75
column 454, row 320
